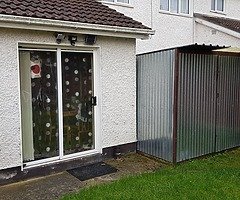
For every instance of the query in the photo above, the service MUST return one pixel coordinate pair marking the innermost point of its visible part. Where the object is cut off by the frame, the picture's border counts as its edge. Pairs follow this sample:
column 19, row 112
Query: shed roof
column 83, row 11
column 232, row 24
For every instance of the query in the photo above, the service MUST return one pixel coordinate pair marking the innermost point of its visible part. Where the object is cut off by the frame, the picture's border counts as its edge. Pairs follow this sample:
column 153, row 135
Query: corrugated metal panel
column 196, row 105
column 228, row 112
column 155, row 103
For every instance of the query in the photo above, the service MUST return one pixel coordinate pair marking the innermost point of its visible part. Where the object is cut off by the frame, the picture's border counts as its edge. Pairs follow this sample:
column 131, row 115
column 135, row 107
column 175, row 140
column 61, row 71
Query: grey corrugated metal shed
column 188, row 102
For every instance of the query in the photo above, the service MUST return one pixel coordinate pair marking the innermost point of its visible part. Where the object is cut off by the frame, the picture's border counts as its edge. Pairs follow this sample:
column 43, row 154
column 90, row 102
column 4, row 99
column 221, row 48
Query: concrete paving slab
column 54, row 186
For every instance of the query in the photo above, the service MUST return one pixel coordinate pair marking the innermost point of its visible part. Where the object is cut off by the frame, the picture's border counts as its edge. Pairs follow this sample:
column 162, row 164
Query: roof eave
column 217, row 27
column 29, row 23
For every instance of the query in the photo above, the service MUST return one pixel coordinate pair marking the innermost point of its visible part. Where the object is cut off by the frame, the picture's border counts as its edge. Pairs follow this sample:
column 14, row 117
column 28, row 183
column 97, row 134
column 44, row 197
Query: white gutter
column 29, row 23
column 217, row 27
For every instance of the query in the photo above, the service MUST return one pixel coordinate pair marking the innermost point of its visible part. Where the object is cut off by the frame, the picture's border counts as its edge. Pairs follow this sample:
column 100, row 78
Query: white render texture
column 171, row 30
column 174, row 30
column 118, row 75
column 118, row 80
column 207, row 35
column 231, row 10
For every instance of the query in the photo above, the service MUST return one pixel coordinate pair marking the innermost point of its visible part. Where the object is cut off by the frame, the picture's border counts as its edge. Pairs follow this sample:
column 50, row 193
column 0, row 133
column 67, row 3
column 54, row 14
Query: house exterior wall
column 231, row 10
column 209, row 35
column 171, row 30
column 174, row 30
column 118, row 91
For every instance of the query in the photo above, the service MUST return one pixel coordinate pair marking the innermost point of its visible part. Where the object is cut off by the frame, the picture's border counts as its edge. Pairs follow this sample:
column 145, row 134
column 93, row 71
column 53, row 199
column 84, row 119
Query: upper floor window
column 217, row 5
column 175, row 6
column 118, row 1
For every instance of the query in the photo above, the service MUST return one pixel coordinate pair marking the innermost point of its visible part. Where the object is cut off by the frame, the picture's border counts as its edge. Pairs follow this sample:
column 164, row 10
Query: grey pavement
column 55, row 186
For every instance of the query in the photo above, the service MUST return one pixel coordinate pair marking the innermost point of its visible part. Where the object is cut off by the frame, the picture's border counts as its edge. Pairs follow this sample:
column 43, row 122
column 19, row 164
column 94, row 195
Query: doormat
column 91, row 171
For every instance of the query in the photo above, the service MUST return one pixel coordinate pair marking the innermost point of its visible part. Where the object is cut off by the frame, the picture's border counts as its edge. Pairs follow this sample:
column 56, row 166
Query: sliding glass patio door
column 57, row 109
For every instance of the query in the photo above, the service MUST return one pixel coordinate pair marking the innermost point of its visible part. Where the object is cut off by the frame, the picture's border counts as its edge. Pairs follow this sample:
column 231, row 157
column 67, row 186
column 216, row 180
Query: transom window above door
column 217, row 5
column 175, row 6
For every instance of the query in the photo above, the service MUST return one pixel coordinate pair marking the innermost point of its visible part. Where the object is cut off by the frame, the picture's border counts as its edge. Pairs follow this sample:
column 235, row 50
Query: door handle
column 94, row 101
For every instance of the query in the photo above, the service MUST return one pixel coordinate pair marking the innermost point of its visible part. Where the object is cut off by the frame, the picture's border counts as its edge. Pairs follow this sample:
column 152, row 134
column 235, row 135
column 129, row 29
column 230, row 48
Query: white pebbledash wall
column 171, row 30
column 118, row 91
column 174, row 30
column 209, row 36
column 232, row 8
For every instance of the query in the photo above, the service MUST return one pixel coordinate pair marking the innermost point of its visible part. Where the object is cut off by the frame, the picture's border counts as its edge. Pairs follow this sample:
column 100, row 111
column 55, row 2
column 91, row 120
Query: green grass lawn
column 215, row 177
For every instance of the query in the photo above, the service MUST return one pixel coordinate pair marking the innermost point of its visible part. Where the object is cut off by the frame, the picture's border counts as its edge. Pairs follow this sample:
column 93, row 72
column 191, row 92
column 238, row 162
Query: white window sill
column 176, row 14
column 117, row 4
column 218, row 12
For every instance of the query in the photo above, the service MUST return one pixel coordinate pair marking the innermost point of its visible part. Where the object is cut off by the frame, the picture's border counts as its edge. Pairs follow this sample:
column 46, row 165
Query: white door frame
column 97, row 109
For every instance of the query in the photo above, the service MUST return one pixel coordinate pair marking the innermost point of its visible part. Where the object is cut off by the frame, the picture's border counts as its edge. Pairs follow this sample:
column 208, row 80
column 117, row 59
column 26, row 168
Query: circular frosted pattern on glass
column 84, row 59
column 68, row 105
column 55, row 64
column 90, row 112
column 48, row 133
column 33, row 124
column 33, row 99
column 76, row 72
column 77, row 138
column 48, row 125
column 77, row 94
column 48, row 100
column 67, row 82
column 89, row 141
column 90, row 134
column 66, row 68
column 90, row 71
column 67, row 90
column 66, row 60
column 48, row 84
column 48, row 149
column 77, row 123
column 56, row 134
column 85, row 82
column 90, row 91
column 48, row 108
column 76, row 79
column 48, row 76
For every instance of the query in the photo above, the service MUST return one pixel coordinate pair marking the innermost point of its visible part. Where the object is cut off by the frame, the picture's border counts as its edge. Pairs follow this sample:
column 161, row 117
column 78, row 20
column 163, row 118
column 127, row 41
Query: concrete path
column 56, row 185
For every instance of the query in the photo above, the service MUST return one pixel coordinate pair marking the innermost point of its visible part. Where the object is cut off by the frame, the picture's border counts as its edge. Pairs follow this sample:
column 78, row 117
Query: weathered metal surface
column 196, row 105
column 155, row 103
column 203, row 111
column 228, row 109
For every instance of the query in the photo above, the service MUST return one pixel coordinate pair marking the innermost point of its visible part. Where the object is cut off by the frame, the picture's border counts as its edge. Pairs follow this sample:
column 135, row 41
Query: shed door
column 228, row 103
column 57, row 108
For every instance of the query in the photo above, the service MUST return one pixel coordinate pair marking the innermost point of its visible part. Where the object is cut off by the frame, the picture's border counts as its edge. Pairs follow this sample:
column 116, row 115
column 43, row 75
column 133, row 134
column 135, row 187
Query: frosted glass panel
column 213, row 5
column 164, row 5
column 123, row 1
column 220, row 5
column 185, row 6
column 174, row 6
